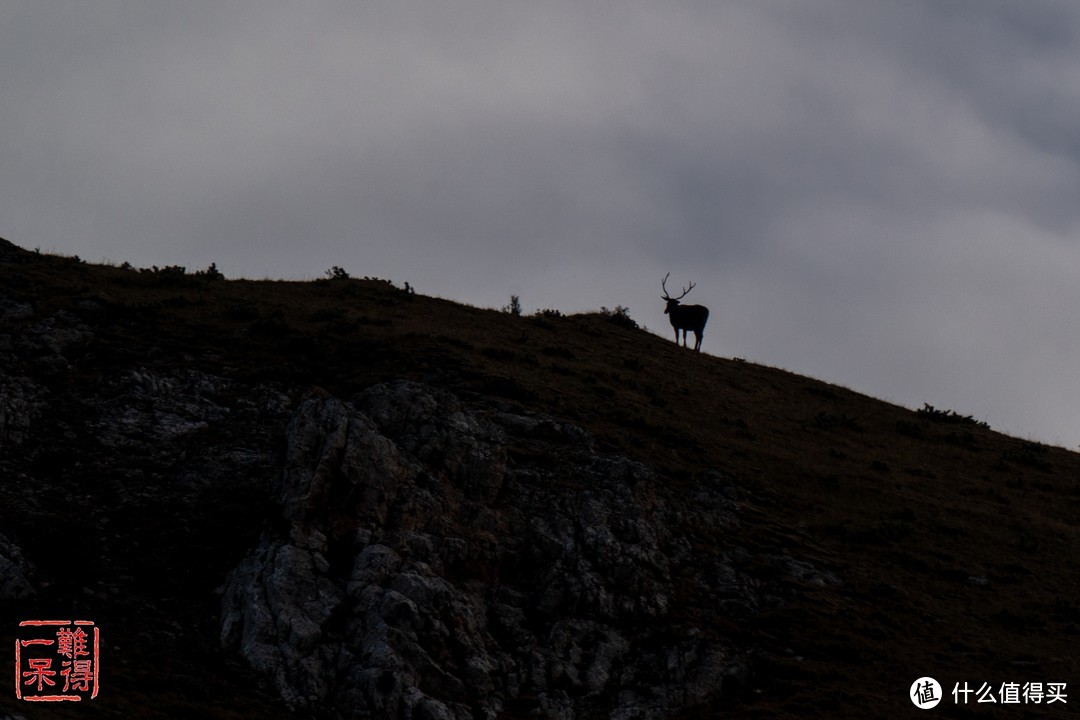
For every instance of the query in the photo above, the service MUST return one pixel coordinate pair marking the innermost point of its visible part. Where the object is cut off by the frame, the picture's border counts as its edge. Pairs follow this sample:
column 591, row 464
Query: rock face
column 13, row 572
column 424, row 557
column 433, row 560
column 119, row 481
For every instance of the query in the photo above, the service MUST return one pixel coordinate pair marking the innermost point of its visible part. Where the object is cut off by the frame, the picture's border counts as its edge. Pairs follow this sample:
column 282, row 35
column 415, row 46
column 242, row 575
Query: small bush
column 169, row 271
column 951, row 416
column 619, row 316
column 210, row 273
column 337, row 273
column 514, row 308
column 167, row 276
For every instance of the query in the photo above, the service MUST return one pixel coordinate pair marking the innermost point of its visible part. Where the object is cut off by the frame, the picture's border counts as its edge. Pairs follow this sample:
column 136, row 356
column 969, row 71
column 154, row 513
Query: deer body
column 685, row 317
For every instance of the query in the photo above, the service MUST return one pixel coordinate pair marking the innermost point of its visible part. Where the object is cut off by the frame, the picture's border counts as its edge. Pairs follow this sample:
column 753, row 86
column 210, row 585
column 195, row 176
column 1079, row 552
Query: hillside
column 831, row 547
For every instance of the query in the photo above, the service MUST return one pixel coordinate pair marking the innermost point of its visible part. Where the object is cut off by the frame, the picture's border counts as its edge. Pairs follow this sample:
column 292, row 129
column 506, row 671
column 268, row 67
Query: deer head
column 673, row 302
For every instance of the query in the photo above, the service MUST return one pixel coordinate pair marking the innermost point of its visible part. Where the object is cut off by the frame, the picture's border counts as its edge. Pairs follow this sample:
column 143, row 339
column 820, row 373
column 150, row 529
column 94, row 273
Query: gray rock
column 14, row 569
column 15, row 310
column 418, row 572
column 21, row 403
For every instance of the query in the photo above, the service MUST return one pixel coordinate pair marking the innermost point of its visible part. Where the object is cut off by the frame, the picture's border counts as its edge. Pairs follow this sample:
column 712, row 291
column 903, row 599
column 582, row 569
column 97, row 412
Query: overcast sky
column 880, row 194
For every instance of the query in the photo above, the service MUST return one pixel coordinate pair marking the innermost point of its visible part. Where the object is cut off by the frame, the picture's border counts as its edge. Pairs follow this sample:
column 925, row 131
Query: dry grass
column 954, row 544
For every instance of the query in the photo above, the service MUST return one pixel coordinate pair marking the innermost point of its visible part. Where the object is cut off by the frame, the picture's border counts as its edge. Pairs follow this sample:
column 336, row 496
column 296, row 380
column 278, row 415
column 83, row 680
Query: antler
column 663, row 284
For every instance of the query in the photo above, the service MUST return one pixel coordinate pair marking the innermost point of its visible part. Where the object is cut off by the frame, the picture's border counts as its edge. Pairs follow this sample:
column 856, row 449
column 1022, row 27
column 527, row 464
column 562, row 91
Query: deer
column 685, row 317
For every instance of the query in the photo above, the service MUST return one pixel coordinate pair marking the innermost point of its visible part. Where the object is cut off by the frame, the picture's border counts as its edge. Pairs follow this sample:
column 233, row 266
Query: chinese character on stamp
column 57, row 660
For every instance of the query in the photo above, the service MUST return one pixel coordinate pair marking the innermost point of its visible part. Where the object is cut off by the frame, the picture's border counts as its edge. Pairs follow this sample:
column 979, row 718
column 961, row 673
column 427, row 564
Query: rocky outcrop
column 130, row 456
column 435, row 560
column 424, row 557
column 13, row 572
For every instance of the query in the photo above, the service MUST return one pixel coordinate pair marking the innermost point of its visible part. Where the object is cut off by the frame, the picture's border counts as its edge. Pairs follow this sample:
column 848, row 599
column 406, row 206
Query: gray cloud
column 878, row 194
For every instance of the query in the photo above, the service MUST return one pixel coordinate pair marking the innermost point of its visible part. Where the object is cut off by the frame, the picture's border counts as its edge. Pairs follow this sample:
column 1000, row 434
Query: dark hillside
column 932, row 545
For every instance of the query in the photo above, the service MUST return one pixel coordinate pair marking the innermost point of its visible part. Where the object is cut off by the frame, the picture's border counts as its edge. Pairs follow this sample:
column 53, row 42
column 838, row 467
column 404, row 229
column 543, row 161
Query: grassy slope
column 954, row 544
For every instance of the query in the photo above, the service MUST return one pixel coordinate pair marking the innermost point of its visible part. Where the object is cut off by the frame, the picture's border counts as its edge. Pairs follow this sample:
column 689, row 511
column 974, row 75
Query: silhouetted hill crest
column 150, row 412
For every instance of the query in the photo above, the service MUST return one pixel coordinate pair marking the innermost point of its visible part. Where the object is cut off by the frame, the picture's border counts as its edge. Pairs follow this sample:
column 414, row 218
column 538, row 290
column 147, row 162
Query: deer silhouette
column 685, row 317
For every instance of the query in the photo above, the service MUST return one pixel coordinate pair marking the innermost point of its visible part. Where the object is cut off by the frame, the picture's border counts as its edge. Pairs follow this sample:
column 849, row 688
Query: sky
column 883, row 195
